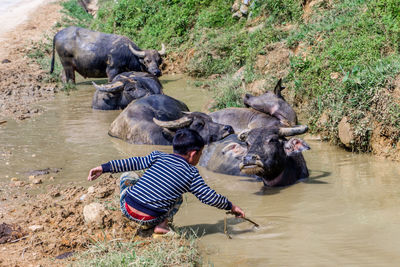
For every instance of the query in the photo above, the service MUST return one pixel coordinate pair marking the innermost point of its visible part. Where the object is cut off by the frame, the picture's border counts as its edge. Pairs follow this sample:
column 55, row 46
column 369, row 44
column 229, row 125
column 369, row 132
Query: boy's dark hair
column 186, row 140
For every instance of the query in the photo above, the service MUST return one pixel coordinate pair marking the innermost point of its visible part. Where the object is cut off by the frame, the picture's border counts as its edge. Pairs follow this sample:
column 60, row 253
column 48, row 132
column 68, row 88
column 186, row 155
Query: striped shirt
column 168, row 177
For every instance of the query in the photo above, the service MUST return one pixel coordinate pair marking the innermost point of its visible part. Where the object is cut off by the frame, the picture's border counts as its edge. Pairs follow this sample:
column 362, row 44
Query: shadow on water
column 314, row 179
column 204, row 229
column 264, row 190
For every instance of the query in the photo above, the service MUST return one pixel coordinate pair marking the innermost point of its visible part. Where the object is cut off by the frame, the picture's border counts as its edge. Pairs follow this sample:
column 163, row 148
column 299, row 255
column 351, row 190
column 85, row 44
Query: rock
column 235, row 6
column 239, row 74
column 36, row 228
column 37, row 181
column 346, row 134
column 91, row 190
column 334, row 75
column 82, row 198
column 31, row 177
column 244, row 9
column 14, row 179
column 4, row 61
column 94, row 213
column 19, row 183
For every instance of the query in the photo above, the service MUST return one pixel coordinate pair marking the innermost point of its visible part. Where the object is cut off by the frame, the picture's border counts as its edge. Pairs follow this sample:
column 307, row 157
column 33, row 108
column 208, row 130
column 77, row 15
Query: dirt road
column 21, row 82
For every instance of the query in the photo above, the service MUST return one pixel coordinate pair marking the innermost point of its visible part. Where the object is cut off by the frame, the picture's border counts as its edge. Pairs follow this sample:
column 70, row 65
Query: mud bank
column 52, row 226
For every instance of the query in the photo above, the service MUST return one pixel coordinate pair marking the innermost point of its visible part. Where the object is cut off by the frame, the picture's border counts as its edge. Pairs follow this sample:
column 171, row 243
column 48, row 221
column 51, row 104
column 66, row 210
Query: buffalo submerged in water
column 125, row 88
column 97, row 55
column 154, row 119
column 260, row 148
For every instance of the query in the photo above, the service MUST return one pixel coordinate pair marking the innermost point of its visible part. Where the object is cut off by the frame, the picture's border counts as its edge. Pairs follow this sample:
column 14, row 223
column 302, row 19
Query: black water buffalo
column 261, row 152
column 274, row 104
column 154, row 120
column 125, row 88
column 98, row 55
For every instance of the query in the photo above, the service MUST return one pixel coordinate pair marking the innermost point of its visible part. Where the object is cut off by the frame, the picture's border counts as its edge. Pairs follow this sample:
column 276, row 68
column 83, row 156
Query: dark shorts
column 128, row 179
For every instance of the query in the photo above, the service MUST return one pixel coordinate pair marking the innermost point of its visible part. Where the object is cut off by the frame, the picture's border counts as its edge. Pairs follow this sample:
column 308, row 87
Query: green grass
column 358, row 45
column 148, row 252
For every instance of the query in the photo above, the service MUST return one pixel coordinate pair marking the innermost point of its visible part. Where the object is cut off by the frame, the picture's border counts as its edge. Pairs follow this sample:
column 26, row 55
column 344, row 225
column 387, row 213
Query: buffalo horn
column 162, row 52
column 110, row 88
column 176, row 124
column 290, row 131
column 138, row 53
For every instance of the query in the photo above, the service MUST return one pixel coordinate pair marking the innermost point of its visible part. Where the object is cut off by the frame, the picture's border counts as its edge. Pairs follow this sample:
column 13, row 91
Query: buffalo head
column 125, row 88
column 150, row 59
column 198, row 121
column 274, row 104
column 269, row 152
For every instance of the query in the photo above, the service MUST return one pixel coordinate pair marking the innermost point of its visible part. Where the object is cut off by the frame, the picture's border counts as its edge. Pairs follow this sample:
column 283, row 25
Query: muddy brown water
column 346, row 213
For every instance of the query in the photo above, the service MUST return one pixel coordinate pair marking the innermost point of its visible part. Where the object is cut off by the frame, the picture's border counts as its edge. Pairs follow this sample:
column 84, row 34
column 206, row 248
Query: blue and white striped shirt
column 168, row 177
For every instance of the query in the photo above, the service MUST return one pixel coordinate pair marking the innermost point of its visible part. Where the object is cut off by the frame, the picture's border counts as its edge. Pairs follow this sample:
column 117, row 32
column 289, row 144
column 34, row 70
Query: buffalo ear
column 242, row 136
column 295, row 145
column 235, row 149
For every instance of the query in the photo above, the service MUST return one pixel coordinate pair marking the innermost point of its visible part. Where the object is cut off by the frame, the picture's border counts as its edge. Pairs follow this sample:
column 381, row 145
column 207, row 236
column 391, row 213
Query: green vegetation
column 158, row 252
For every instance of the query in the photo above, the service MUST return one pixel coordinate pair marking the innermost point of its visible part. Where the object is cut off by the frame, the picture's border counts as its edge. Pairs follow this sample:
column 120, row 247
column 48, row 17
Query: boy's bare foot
column 162, row 228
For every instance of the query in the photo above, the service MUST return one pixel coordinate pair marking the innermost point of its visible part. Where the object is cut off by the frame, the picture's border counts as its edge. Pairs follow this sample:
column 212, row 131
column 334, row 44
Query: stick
column 226, row 229
column 16, row 240
column 255, row 224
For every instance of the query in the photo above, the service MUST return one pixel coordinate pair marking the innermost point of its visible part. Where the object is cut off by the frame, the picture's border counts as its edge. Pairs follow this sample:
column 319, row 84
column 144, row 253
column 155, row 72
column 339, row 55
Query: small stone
column 82, row 198
column 346, row 134
column 31, row 177
column 36, row 228
column 94, row 213
column 91, row 190
column 19, row 183
column 51, row 178
column 37, row 181
column 33, row 155
column 334, row 75
column 14, row 179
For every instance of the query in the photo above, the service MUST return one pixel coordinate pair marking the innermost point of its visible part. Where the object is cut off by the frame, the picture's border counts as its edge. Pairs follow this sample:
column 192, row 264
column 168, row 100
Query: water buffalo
column 274, row 104
column 261, row 152
column 244, row 118
column 125, row 88
column 98, row 55
column 154, row 119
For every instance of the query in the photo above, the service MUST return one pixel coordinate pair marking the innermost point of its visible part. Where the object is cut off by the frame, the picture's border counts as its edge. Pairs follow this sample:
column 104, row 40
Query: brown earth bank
column 51, row 228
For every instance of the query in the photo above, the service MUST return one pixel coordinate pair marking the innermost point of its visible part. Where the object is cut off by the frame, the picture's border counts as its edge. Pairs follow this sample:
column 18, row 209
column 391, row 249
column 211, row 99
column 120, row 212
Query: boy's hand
column 237, row 211
column 95, row 173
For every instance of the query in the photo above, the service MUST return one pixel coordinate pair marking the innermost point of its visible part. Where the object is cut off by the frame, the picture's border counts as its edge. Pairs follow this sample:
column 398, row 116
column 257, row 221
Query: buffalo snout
column 251, row 159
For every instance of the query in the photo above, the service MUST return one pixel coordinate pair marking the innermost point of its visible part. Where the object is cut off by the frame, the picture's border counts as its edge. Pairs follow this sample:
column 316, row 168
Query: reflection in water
column 346, row 213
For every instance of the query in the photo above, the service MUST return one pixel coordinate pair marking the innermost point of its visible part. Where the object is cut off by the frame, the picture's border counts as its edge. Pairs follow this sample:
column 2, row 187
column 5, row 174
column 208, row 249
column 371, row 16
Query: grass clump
column 348, row 68
column 149, row 252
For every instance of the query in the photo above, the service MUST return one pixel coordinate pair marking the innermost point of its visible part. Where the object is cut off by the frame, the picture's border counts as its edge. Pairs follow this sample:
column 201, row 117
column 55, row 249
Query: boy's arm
column 208, row 196
column 123, row 165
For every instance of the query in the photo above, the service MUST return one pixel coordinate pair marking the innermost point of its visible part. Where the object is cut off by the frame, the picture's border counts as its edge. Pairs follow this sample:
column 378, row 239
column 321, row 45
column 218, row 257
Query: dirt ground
column 21, row 83
column 50, row 228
